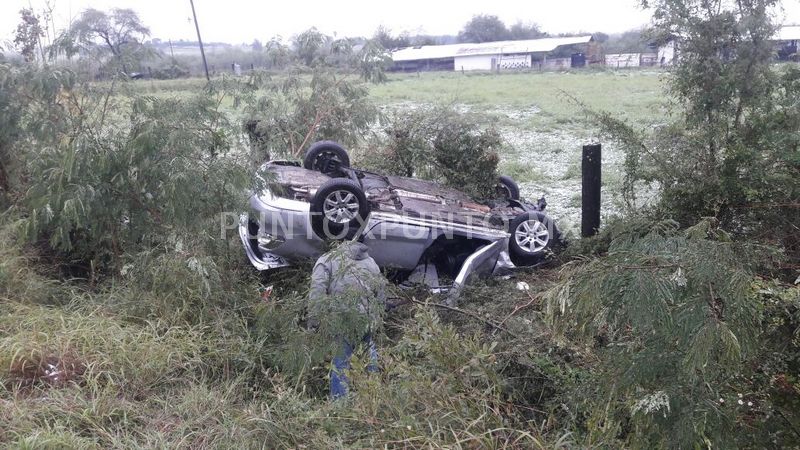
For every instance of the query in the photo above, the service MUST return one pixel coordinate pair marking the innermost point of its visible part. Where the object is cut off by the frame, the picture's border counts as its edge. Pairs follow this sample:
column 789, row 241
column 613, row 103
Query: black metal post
column 200, row 41
column 590, row 190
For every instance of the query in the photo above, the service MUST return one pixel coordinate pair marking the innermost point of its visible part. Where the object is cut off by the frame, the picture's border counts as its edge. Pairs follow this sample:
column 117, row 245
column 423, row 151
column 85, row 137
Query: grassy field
column 634, row 94
column 543, row 123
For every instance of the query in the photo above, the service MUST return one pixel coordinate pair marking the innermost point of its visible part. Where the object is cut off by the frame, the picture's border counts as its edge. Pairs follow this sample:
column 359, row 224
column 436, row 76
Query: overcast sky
column 238, row 21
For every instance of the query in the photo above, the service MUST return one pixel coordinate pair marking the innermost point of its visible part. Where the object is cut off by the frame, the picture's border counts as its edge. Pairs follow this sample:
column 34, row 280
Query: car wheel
column 507, row 188
column 533, row 234
column 339, row 209
column 326, row 157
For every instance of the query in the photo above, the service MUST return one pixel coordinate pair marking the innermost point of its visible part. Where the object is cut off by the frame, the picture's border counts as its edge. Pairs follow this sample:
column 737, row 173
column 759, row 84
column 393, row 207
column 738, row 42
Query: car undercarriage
column 422, row 231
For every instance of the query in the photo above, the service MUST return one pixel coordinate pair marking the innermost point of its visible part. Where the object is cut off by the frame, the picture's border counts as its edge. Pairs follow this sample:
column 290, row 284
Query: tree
column 28, row 34
column 384, row 37
column 309, row 46
column 633, row 41
column 34, row 113
column 297, row 111
column 484, row 28
column 600, row 37
column 419, row 40
column 442, row 144
column 166, row 170
column 520, row 31
column 373, row 62
column 729, row 152
column 737, row 130
column 256, row 46
column 119, row 33
column 278, row 52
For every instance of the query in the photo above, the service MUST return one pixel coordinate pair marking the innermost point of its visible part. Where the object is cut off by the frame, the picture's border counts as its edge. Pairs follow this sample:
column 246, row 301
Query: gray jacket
column 347, row 280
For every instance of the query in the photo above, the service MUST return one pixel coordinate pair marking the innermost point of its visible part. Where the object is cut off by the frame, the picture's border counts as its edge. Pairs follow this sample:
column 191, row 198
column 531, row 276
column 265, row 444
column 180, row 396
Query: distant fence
column 622, row 60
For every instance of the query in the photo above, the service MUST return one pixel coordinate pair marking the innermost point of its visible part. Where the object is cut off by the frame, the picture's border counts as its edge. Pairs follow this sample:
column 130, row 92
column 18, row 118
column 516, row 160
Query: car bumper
column 260, row 259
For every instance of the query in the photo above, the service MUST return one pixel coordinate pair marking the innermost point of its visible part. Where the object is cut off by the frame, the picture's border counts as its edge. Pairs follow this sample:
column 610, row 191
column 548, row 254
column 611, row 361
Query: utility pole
column 200, row 41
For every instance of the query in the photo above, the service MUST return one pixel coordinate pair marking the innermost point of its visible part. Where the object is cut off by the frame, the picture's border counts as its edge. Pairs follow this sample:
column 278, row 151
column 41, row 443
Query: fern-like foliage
column 125, row 184
column 672, row 315
column 33, row 106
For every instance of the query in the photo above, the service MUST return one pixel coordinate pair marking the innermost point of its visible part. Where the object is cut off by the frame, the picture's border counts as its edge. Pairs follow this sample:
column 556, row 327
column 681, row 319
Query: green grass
column 521, row 172
column 636, row 95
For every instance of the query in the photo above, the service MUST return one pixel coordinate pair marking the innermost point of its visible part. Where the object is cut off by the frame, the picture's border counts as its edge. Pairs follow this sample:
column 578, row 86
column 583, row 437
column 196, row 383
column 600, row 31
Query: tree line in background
column 115, row 42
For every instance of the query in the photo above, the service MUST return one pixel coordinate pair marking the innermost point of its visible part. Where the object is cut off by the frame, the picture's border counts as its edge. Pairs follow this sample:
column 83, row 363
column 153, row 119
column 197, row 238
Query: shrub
column 114, row 188
column 677, row 325
column 288, row 115
column 169, row 69
column 34, row 110
column 440, row 144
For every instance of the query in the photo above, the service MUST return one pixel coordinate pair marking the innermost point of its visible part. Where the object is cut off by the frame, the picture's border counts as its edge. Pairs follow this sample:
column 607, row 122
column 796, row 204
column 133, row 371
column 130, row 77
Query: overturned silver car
column 424, row 232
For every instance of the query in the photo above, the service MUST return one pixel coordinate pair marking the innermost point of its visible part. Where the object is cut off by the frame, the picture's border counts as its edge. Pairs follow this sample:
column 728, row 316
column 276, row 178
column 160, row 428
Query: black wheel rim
column 503, row 191
column 326, row 162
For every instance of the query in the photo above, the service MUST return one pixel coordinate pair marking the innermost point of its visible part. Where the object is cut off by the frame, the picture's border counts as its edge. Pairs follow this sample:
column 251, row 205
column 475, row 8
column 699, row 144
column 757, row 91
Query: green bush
column 111, row 188
column 440, row 144
column 286, row 116
column 35, row 107
column 170, row 69
column 679, row 329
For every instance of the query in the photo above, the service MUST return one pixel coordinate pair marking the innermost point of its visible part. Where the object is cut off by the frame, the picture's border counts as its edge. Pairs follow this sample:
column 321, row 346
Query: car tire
column 339, row 209
column 508, row 188
column 326, row 157
column 533, row 236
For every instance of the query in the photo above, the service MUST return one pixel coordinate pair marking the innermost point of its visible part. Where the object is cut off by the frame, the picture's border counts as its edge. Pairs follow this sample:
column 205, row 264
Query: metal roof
column 788, row 33
column 486, row 48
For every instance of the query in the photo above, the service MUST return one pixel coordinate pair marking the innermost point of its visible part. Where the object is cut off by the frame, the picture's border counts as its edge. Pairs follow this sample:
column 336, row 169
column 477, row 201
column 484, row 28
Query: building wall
column 475, row 62
column 485, row 62
column 649, row 59
column 556, row 64
column 619, row 60
column 424, row 65
column 666, row 54
column 511, row 62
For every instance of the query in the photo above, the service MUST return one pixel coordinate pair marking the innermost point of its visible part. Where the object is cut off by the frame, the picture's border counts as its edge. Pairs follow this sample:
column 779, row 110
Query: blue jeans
column 341, row 362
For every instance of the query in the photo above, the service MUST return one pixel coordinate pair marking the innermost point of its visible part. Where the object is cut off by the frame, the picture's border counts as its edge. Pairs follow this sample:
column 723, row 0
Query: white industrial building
column 667, row 53
column 487, row 55
column 788, row 33
column 787, row 39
